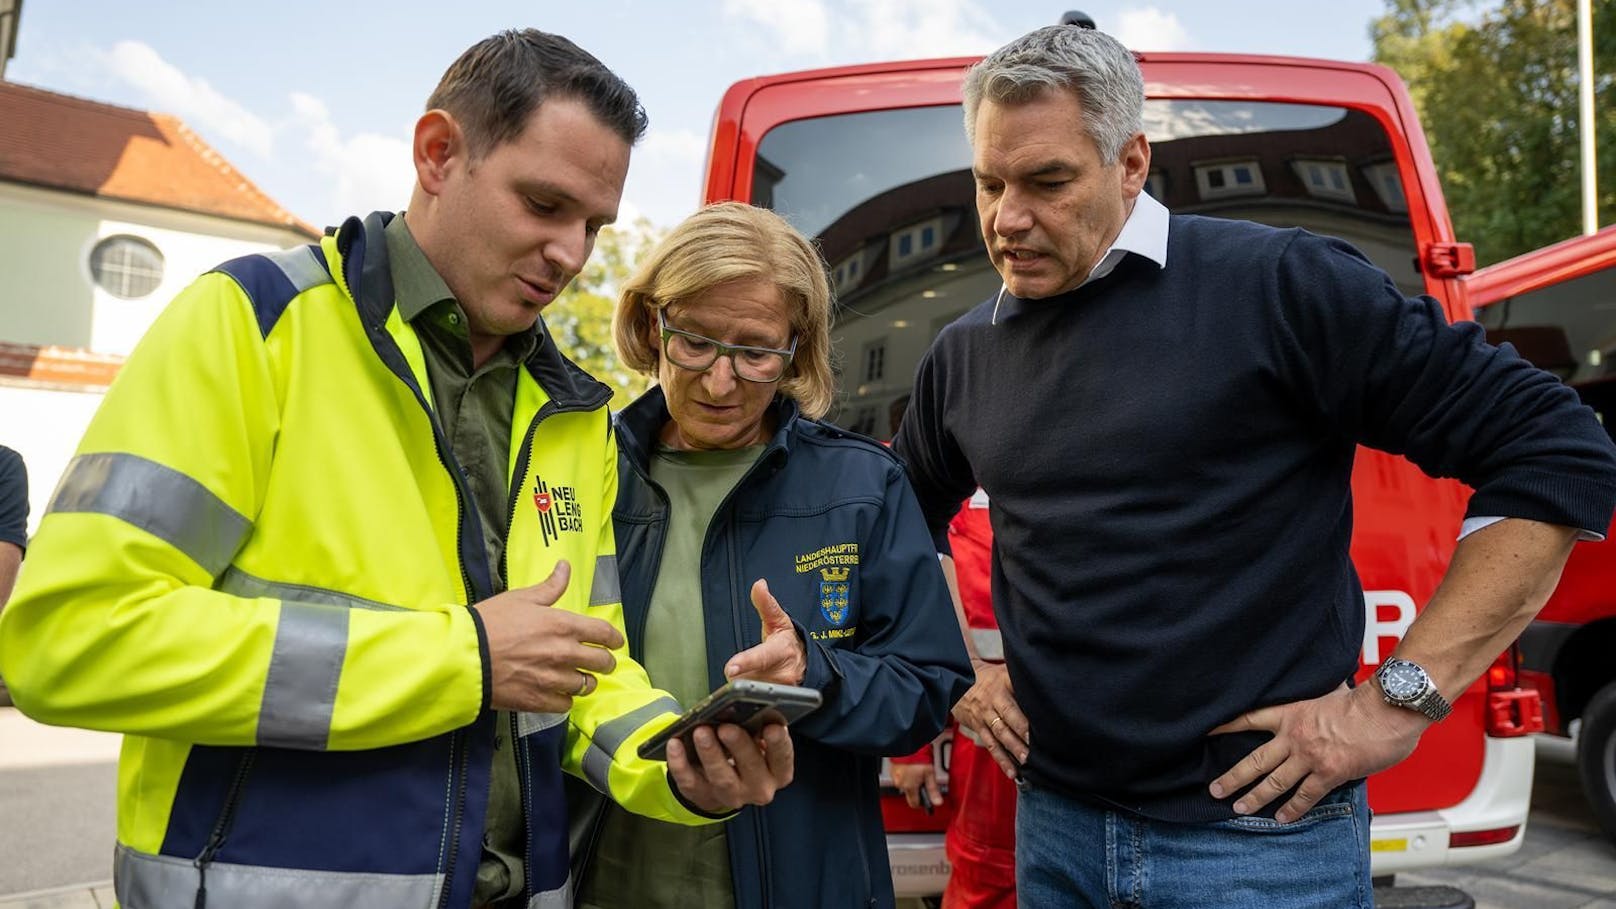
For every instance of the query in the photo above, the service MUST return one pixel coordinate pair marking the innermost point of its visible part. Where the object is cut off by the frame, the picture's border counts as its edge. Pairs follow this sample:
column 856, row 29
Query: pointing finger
column 768, row 609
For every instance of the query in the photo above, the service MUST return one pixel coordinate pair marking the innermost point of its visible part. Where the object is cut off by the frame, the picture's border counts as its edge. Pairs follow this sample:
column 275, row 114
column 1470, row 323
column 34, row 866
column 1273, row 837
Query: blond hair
column 732, row 241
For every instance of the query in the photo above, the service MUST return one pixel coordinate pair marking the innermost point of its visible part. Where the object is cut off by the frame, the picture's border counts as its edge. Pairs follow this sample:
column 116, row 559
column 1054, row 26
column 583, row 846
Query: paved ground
column 57, row 806
column 1565, row 863
column 57, row 794
column 68, row 898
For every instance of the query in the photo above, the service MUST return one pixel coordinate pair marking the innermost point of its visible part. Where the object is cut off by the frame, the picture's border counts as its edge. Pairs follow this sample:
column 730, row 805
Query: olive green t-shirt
column 473, row 407
column 638, row 861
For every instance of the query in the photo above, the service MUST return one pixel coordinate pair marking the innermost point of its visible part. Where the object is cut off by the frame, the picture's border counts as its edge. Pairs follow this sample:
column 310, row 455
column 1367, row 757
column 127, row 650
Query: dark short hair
column 494, row 87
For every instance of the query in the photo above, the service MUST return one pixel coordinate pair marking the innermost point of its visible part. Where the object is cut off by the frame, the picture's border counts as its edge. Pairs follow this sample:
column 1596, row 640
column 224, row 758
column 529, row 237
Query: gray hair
column 1089, row 63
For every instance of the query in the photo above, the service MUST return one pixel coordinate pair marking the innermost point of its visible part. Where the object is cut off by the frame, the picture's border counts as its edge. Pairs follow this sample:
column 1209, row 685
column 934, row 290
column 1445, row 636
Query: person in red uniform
column 981, row 837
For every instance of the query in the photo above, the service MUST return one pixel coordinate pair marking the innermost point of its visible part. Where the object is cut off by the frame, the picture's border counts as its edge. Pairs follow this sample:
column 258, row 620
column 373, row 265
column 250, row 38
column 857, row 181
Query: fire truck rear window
column 890, row 197
column 1569, row 329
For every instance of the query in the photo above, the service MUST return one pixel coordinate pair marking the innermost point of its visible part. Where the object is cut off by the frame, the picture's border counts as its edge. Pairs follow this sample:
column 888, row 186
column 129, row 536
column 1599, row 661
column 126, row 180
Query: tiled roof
column 60, row 367
column 73, row 144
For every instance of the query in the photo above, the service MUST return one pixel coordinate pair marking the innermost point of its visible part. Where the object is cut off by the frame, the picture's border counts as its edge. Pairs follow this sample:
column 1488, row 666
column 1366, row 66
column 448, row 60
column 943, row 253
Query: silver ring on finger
column 583, row 686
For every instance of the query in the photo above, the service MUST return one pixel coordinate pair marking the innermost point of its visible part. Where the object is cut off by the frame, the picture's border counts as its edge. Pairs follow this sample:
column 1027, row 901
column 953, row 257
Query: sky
column 315, row 101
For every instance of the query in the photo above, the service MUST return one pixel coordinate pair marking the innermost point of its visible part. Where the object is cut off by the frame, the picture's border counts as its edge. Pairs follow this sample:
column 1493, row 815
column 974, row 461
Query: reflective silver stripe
column 559, row 898
column 159, row 500
column 989, row 644
column 610, row 735
column 301, row 690
column 143, row 881
column 239, row 583
column 529, row 723
column 300, row 267
column 604, row 588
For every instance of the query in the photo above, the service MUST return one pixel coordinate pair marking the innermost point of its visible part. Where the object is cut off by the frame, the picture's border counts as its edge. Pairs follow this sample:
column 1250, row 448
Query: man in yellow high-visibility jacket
column 336, row 552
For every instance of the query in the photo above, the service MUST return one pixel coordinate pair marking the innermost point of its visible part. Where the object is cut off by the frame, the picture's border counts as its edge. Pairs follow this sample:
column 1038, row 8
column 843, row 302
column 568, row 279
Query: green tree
column 1496, row 88
column 580, row 320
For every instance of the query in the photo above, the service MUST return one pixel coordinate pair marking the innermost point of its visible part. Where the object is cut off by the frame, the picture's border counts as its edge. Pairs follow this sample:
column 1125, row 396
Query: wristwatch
column 1404, row 683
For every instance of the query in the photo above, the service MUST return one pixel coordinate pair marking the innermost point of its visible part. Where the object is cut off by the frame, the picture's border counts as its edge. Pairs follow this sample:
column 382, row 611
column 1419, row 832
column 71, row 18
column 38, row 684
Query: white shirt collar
column 1144, row 233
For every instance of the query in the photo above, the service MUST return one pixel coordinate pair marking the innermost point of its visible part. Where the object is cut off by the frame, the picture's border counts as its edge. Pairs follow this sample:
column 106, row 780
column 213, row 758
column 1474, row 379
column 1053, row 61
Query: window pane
column 855, row 181
column 126, row 266
column 1568, row 329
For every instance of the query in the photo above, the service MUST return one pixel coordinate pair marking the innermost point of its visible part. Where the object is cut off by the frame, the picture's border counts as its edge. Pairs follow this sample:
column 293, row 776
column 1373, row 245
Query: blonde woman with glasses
column 742, row 518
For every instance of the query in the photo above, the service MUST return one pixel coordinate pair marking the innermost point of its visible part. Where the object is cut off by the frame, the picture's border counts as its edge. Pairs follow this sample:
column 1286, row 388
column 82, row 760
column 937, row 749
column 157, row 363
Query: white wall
column 49, row 296
column 44, row 426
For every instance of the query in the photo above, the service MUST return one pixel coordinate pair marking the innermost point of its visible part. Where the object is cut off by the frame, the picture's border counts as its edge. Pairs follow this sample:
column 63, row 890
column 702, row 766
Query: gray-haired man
column 1180, row 616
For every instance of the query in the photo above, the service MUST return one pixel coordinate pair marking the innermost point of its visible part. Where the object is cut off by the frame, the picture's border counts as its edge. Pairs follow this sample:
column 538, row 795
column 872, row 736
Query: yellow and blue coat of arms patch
column 834, row 588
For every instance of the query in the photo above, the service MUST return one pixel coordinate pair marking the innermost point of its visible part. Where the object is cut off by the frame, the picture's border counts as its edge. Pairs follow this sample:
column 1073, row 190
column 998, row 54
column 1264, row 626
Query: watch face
column 1403, row 681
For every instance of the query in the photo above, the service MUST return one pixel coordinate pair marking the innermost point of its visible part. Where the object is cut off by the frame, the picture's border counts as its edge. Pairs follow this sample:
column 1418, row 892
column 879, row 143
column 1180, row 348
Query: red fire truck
column 872, row 161
column 1558, row 307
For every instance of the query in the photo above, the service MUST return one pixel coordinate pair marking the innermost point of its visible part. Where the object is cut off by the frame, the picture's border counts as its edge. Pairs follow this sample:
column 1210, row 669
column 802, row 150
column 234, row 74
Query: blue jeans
column 1072, row 854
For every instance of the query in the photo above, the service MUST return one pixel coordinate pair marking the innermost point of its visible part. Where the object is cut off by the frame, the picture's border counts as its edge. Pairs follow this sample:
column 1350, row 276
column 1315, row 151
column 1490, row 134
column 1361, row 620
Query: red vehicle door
column 1557, row 305
column 872, row 161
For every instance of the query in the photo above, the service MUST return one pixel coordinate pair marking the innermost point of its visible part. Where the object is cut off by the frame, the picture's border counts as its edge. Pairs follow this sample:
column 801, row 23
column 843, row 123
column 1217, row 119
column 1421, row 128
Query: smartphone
column 744, row 702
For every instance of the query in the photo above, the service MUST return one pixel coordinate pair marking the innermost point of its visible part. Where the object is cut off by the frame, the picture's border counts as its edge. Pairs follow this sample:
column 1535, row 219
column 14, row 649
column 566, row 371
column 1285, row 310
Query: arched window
column 126, row 266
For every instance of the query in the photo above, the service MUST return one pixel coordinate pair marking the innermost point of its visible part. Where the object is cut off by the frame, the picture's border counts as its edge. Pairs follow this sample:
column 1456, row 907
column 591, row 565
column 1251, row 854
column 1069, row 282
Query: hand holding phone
column 744, row 702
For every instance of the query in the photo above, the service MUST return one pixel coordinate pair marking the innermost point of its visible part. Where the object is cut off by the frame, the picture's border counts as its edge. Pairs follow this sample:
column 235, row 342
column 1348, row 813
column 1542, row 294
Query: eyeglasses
column 697, row 353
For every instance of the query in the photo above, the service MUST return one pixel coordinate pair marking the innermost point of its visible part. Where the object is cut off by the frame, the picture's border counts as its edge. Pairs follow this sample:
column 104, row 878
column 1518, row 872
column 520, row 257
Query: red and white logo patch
column 558, row 508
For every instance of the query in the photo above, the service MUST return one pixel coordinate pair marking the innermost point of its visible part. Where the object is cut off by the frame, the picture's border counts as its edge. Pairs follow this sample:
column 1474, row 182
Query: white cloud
column 795, row 26
column 371, row 171
column 910, row 29
column 863, row 30
column 1150, row 29
column 191, row 99
column 664, row 177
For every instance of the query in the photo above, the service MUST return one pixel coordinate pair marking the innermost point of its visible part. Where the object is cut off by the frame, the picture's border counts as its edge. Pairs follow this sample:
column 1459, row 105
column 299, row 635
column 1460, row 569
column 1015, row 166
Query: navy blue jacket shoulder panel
column 270, row 280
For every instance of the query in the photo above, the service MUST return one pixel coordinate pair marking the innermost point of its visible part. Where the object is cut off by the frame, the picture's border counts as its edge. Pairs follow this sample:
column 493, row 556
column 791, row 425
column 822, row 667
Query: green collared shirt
column 473, row 407
column 637, row 861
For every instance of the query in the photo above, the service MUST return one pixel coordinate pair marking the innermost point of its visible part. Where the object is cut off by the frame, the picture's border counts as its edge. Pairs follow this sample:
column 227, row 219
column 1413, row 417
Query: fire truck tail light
column 1483, row 837
column 1514, row 713
column 1511, row 711
column 1501, row 675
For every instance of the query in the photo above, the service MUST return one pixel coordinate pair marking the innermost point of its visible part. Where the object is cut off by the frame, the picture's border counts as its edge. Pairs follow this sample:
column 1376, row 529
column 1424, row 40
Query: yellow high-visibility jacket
column 257, row 568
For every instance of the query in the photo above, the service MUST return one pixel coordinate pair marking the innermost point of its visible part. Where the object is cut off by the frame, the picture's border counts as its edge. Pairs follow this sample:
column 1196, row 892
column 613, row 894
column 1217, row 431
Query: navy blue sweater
column 1169, row 450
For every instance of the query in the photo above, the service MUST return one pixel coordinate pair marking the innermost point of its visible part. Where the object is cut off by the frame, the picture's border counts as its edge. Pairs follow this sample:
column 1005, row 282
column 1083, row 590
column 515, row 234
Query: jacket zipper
column 524, row 785
column 759, row 836
column 221, row 829
column 605, row 806
column 759, row 831
column 643, row 618
column 460, row 754
column 517, row 481
column 519, row 477
column 458, row 759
